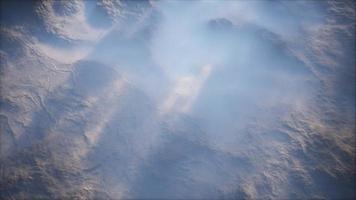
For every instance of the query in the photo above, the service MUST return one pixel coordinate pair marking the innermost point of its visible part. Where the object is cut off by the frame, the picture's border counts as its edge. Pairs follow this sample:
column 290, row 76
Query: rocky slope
column 177, row 100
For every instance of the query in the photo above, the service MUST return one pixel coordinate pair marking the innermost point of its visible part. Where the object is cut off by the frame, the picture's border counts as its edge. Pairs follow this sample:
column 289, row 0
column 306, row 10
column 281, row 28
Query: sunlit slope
column 177, row 99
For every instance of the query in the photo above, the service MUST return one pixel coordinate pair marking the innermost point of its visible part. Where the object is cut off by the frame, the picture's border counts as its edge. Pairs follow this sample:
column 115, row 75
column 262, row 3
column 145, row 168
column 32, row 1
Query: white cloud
column 185, row 91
